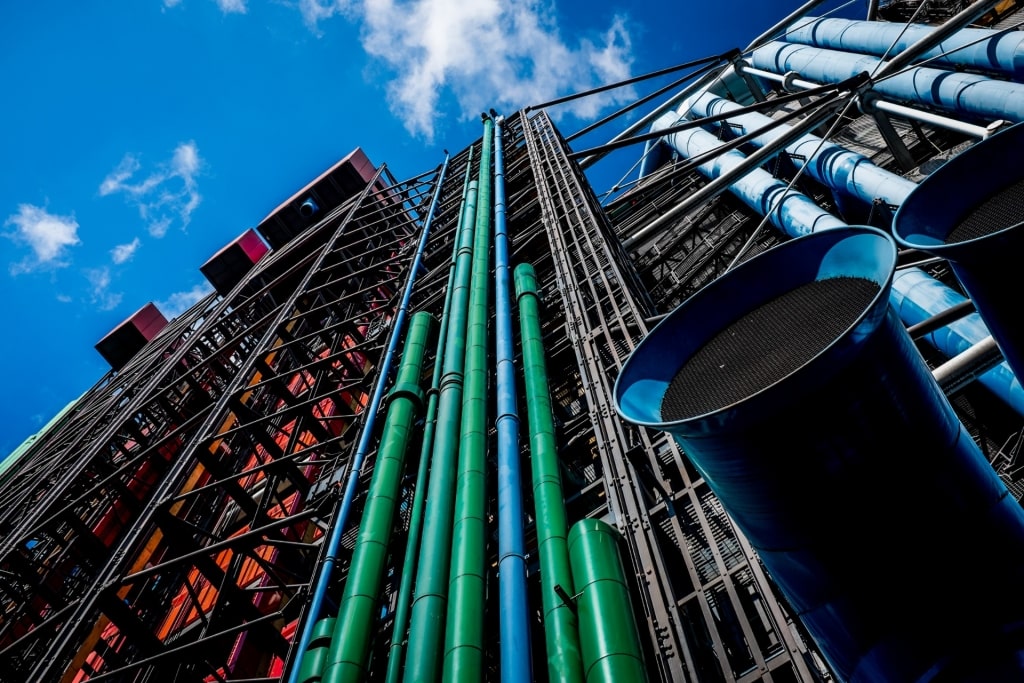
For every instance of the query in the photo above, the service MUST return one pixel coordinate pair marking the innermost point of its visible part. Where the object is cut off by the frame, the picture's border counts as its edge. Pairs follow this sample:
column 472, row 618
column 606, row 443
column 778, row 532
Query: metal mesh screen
column 998, row 212
column 765, row 345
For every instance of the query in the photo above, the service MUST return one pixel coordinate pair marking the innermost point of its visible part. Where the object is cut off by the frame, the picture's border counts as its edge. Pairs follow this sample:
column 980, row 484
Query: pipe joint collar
column 788, row 79
column 525, row 281
column 866, row 102
column 409, row 391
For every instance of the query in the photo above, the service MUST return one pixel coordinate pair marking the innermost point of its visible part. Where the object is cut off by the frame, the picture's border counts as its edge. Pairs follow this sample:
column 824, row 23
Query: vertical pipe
column 315, row 661
column 427, row 625
column 350, row 645
column 464, row 636
column 560, row 629
column 344, row 505
column 397, row 649
column 513, row 601
column 611, row 646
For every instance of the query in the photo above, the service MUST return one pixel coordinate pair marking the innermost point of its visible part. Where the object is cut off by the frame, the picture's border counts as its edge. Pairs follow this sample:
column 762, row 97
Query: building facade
column 196, row 514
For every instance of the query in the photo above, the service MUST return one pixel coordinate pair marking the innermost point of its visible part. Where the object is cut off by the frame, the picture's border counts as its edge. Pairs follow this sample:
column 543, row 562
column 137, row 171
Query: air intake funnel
column 971, row 212
column 796, row 392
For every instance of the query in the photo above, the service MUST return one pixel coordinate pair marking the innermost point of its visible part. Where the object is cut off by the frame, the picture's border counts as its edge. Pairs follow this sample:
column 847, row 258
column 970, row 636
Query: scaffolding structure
column 172, row 524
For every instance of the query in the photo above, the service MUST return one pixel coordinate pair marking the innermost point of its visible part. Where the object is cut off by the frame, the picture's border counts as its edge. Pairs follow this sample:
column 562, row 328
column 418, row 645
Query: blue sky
column 140, row 136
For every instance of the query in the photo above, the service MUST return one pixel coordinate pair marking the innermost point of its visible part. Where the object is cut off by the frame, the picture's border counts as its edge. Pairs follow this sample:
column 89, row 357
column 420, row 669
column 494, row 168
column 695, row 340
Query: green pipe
column 427, row 625
column 464, row 640
column 313, row 663
column 560, row 630
column 360, row 603
column 608, row 635
column 412, row 545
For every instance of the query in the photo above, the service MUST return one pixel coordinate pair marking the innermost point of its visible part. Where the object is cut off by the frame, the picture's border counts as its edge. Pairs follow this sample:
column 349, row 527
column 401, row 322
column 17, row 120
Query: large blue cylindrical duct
column 976, row 221
column 797, row 215
column 827, row 162
column 979, row 49
column 969, row 95
column 800, row 398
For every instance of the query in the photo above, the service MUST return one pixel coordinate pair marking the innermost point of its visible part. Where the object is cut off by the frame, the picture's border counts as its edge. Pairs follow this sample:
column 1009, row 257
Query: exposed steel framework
column 171, row 525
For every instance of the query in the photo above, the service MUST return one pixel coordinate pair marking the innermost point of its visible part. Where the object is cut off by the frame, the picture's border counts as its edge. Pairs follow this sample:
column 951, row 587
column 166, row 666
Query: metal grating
column 1000, row 211
column 765, row 345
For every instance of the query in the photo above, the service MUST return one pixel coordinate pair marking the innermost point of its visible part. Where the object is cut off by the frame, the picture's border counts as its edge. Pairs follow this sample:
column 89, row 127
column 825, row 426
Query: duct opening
column 1003, row 210
column 308, row 208
column 766, row 345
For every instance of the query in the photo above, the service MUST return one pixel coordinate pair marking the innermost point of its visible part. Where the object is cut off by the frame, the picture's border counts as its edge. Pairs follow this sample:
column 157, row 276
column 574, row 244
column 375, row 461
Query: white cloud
column 185, row 162
column 170, row 192
column 115, row 180
column 436, row 47
column 231, row 6
column 64, row 298
column 179, row 302
column 99, row 289
column 172, row 3
column 315, row 11
column 47, row 234
column 124, row 252
column 159, row 228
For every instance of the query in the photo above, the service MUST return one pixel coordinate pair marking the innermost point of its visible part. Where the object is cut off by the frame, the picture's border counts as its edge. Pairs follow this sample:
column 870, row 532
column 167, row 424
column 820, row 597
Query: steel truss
column 171, row 525
column 174, row 513
column 710, row 613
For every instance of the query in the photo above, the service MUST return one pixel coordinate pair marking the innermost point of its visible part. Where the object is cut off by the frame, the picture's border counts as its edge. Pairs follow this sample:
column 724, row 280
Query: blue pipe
column 804, row 216
column 972, row 219
column 998, row 51
column 917, row 297
column 827, row 162
column 513, row 601
column 344, row 505
column 656, row 154
column 791, row 212
column 515, row 655
column 968, row 95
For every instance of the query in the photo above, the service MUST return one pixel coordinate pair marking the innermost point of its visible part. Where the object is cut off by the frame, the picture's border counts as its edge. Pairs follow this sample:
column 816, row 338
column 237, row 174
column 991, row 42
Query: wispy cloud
column 179, row 302
column 48, row 235
column 171, row 3
column 159, row 228
column 99, row 289
column 167, row 193
column 124, row 252
column 232, row 6
column 436, row 47
column 315, row 11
